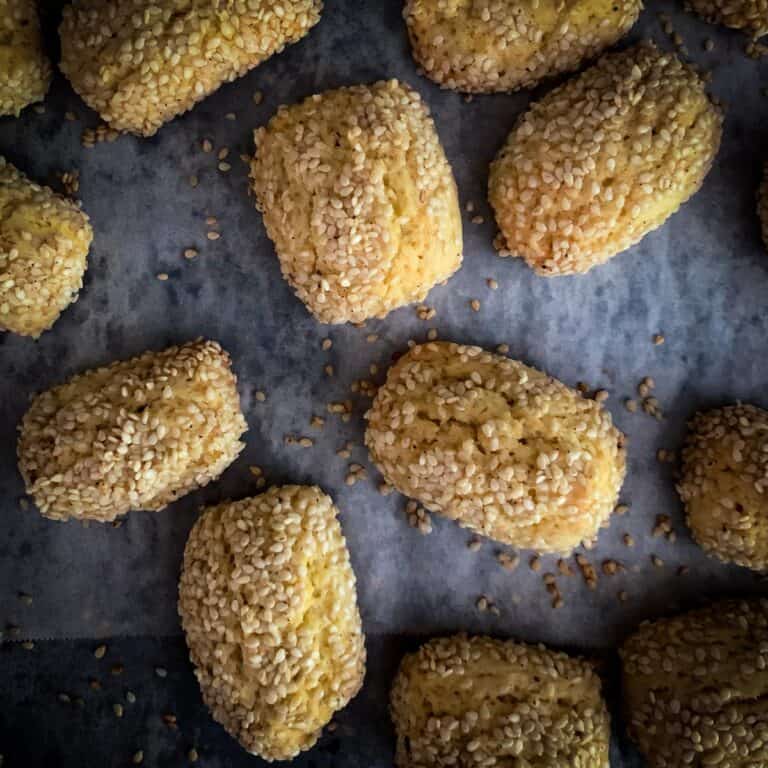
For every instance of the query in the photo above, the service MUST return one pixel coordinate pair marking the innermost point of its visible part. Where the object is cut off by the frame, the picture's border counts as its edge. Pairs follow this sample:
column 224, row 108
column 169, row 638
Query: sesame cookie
column 25, row 72
column 136, row 434
column 696, row 687
column 500, row 447
column 749, row 15
column 44, row 242
column 139, row 64
column 461, row 701
column 481, row 46
column 359, row 199
column 724, row 483
column 602, row 160
column 268, row 604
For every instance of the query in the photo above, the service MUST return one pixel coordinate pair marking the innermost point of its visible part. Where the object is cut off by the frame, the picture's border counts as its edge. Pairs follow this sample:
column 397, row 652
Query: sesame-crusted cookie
column 44, row 242
column 140, row 63
column 762, row 205
column 724, row 483
column 136, row 434
column 268, row 604
column 602, row 160
column 749, row 15
column 477, row 701
column 25, row 72
column 696, row 687
column 359, row 199
column 481, row 46
column 500, row 447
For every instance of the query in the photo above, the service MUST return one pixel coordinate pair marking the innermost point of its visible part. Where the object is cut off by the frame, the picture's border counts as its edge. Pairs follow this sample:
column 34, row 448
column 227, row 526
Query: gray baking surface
column 701, row 280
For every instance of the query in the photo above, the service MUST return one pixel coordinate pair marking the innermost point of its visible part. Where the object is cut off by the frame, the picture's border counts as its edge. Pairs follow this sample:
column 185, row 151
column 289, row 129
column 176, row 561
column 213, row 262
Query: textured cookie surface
column 136, row 434
column 44, row 242
column 500, row 447
column 268, row 604
column 749, row 15
column 25, row 71
column 696, row 687
column 762, row 205
column 140, row 63
column 359, row 199
column 724, row 483
column 602, row 160
column 462, row 701
column 500, row 45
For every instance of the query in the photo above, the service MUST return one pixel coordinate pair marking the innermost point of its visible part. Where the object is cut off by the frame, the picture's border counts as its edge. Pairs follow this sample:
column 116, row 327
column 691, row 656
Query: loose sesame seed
column 658, row 339
column 258, row 97
column 213, row 235
column 190, row 253
column 138, row 757
column 475, row 304
column 161, row 672
column 100, row 651
column 118, row 710
column 474, row 544
column 207, row 145
column 492, row 284
column 162, row 276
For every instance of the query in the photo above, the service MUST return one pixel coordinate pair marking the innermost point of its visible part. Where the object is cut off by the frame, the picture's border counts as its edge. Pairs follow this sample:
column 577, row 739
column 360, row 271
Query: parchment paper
column 701, row 280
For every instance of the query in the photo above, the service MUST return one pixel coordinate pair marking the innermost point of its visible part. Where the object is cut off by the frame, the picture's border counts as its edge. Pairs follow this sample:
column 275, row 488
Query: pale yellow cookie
column 268, row 604
column 481, row 46
column 602, row 160
column 359, row 200
column 140, row 63
column 500, row 447
column 475, row 701
column 696, row 687
column 137, row 434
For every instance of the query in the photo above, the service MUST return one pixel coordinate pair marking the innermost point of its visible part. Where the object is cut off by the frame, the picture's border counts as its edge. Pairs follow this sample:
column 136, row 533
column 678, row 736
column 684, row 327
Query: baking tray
column 700, row 280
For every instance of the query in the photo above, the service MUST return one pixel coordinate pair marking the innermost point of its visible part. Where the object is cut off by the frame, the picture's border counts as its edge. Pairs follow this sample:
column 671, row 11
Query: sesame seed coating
column 140, row 63
column 359, row 199
column 602, row 160
column 481, row 46
column 44, row 242
column 136, row 434
column 500, row 447
column 476, row 701
column 25, row 72
column 749, row 15
column 762, row 205
column 696, row 687
column 268, row 604
column 724, row 483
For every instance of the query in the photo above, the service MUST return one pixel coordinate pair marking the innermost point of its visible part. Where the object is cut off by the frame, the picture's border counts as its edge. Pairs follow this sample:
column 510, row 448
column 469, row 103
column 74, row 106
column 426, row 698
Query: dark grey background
column 701, row 280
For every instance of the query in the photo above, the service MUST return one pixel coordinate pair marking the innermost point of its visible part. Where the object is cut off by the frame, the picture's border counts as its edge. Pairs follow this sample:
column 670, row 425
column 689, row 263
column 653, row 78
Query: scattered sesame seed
column 328, row 369
column 478, row 220
column 474, row 544
column 657, row 561
column 326, row 344
column 709, row 45
column 28, row 645
column 258, row 97
column 492, row 284
column 628, row 540
column 223, row 153
column 190, row 253
column 162, row 276
column 658, row 339
column 213, row 235
column 193, row 755
column 100, row 651
column 475, row 304
column 224, row 167
column 622, row 596
column 118, row 709
column 508, row 561
column 207, row 145
column 232, row 116
column 25, row 598
column 70, row 116
column 306, row 442
column 470, row 206
column 535, row 563
column 161, row 672
column 260, row 396
column 130, row 697
column 193, row 181
column 138, row 757
column 631, row 405
column 64, row 698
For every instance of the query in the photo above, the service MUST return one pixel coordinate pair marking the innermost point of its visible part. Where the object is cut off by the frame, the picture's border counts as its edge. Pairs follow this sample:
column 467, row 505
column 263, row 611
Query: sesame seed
column 161, row 672
column 260, row 396
column 631, row 405
column 326, row 344
column 475, row 304
column 100, row 651
column 492, row 284
column 162, row 276
column 130, row 697
column 258, row 97
column 118, row 710
column 207, row 145
column 213, row 235
column 138, row 757
column 657, row 561
column 193, row 181
column 193, row 755
column 535, row 563
column 190, row 253
column 658, row 339
column 224, row 167
column 474, row 544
